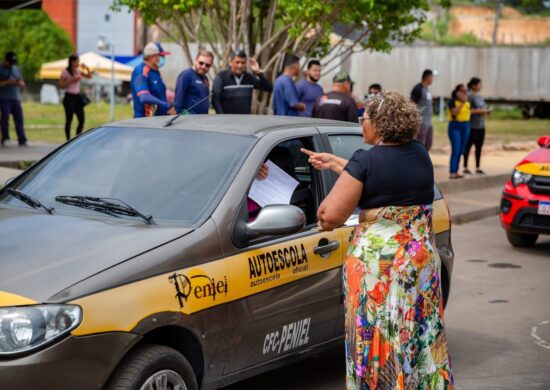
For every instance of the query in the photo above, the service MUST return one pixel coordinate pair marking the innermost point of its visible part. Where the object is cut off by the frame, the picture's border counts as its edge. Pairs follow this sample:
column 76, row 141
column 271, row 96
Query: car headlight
column 520, row 178
column 28, row 327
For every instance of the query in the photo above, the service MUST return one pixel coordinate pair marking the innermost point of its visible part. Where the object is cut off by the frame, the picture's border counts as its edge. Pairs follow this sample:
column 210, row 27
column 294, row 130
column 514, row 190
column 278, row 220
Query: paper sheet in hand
column 276, row 188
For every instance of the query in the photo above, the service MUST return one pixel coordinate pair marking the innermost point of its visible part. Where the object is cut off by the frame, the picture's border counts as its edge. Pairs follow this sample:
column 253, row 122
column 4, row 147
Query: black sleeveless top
column 393, row 175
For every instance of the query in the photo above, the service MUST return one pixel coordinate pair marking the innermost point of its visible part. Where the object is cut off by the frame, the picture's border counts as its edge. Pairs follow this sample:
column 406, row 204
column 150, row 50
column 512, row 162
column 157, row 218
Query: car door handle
column 325, row 246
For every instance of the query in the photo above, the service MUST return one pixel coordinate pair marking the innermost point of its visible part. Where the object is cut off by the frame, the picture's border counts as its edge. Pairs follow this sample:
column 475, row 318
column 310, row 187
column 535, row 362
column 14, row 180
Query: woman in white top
column 72, row 102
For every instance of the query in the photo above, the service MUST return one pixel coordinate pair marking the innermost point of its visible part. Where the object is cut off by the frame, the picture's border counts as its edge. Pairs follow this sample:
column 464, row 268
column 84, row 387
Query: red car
column 525, row 205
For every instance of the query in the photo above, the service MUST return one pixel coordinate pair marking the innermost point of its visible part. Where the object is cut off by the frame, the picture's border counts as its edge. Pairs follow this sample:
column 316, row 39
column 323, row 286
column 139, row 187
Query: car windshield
column 172, row 175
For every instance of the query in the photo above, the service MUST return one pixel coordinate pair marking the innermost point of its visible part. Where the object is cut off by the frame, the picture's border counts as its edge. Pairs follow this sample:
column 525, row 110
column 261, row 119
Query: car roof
column 254, row 125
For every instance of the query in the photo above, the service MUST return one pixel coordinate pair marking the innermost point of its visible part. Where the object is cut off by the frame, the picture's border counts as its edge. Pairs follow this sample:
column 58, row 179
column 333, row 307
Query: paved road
column 498, row 337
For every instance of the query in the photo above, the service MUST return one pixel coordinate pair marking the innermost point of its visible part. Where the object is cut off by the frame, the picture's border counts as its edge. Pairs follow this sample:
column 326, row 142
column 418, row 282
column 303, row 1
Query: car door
column 343, row 141
column 290, row 285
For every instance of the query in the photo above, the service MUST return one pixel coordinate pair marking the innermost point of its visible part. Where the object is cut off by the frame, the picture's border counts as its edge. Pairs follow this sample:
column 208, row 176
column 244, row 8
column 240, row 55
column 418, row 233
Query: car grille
column 535, row 220
column 540, row 185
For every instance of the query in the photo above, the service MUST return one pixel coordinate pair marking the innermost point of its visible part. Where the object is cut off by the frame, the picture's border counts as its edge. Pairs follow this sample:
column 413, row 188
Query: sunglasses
column 205, row 64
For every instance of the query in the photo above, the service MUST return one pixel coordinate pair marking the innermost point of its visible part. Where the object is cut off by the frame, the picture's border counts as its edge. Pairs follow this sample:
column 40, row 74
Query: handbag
column 85, row 99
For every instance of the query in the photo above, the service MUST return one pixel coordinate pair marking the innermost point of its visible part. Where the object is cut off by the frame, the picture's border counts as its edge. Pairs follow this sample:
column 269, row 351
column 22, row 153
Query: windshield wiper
column 111, row 206
column 28, row 199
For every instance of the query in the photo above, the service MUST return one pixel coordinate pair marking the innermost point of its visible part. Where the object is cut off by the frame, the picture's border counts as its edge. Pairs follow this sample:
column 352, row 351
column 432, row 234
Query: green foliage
column 309, row 22
column 34, row 37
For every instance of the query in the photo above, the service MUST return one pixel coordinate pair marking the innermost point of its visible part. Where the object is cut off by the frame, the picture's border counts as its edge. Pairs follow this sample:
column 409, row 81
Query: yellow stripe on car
column 192, row 289
column 539, row 169
column 9, row 299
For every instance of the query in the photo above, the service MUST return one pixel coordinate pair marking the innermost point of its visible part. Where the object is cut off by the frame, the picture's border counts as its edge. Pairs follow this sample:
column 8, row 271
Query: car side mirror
column 276, row 220
column 544, row 141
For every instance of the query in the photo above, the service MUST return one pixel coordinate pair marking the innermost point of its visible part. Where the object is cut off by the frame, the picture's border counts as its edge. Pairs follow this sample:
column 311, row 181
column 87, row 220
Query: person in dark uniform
column 233, row 87
column 148, row 89
column 338, row 103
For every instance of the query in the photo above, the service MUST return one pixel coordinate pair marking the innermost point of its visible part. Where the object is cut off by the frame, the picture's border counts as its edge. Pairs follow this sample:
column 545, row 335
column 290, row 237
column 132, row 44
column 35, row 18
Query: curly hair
column 394, row 117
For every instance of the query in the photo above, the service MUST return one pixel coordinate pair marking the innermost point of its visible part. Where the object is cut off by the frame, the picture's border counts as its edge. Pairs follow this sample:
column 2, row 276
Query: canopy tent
column 96, row 62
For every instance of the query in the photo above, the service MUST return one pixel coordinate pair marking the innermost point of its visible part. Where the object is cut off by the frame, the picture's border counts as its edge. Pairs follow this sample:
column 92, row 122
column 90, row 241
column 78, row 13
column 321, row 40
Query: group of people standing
column 466, row 111
column 233, row 88
column 466, row 114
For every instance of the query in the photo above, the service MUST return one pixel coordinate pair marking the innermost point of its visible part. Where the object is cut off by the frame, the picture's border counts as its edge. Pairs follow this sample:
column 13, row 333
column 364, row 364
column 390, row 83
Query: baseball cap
column 153, row 48
column 342, row 77
column 11, row 57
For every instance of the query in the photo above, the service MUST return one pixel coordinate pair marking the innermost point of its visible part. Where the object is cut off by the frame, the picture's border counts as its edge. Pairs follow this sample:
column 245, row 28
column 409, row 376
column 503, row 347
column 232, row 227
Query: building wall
column 63, row 13
column 95, row 19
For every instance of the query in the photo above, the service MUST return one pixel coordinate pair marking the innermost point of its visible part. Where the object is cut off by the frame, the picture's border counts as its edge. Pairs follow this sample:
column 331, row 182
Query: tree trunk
column 498, row 7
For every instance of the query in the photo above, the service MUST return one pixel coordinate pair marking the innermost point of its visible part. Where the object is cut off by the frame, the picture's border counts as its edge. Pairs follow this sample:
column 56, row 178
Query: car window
column 288, row 157
column 344, row 145
column 173, row 175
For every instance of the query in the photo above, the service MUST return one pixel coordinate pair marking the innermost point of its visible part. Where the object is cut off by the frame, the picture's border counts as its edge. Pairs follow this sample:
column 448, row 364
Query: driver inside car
column 281, row 157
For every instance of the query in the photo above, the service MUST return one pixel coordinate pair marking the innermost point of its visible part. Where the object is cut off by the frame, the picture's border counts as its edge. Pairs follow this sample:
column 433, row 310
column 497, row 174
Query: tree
column 267, row 29
column 34, row 37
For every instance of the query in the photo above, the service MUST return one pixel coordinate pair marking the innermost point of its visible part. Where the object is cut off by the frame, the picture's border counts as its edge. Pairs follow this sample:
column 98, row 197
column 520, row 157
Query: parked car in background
column 525, row 204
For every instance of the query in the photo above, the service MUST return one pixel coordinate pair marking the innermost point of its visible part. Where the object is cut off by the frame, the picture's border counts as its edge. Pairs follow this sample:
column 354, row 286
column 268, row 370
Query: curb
column 473, row 184
column 474, row 215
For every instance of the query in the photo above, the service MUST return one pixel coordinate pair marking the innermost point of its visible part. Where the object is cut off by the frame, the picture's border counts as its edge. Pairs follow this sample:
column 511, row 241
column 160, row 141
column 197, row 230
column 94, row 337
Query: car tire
column 521, row 239
column 151, row 363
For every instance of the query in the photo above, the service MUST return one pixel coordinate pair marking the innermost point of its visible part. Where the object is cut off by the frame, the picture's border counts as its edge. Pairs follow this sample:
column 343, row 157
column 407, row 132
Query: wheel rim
column 164, row 380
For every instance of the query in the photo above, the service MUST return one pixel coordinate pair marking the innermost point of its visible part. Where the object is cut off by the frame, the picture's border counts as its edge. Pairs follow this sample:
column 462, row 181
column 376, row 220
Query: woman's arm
column 479, row 111
column 88, row 74
column 325, row 161
column 340, row 202
column 456, row 109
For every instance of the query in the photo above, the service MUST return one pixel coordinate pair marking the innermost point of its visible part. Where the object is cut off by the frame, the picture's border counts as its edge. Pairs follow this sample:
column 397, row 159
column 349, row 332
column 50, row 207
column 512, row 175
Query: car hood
column 536, row 162
column 42, row 254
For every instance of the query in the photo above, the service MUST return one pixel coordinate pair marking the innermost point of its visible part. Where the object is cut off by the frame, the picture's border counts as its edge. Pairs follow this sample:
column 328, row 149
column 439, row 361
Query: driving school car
column 129, row 260
column 525, row 204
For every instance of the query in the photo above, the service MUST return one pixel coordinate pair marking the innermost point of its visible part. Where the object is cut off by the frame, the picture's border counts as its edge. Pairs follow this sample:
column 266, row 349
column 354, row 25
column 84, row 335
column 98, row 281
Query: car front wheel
column 521, row 239
column 154, row 367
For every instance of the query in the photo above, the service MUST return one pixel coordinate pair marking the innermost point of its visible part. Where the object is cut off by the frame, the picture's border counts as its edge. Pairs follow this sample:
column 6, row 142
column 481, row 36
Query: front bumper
column 74, row 363
column 519, row 210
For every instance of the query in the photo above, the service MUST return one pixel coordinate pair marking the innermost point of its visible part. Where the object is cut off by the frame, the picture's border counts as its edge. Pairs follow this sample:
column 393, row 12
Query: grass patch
column 500, row 130
column 45, row 122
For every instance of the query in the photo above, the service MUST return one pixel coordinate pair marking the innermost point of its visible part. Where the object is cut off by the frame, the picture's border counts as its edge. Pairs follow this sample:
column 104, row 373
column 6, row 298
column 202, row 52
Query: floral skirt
column 394, row 311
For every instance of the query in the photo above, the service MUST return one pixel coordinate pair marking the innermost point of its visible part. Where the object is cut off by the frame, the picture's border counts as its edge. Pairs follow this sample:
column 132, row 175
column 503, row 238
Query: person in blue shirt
column 148, row 89
column 285, row 94
column 193, row 87
column 309, row 89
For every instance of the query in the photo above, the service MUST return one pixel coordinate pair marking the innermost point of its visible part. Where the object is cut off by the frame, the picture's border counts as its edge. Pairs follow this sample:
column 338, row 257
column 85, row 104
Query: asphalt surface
column 497, row 320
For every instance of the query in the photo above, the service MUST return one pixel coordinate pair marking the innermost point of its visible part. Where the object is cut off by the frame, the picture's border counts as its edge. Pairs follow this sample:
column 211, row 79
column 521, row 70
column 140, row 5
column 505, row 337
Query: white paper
column 276, row 188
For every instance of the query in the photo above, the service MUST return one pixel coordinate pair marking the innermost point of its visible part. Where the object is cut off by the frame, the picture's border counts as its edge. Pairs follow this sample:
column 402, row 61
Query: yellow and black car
column 128, row 258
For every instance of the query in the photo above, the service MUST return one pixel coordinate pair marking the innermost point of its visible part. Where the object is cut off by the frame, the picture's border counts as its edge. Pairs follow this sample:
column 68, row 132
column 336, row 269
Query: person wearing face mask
column 309, row 89
column 193, row 87
column 11, row 80
column 233, row 87
column 148, row 88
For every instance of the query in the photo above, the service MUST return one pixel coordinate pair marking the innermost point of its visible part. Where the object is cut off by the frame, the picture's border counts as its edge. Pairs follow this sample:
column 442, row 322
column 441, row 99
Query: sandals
column 466, row 171
column 455, row 176
column 480, row 172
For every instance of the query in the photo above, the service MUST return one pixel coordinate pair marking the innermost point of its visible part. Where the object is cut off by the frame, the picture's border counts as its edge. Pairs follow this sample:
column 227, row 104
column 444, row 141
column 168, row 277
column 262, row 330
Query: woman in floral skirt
column 395, row 337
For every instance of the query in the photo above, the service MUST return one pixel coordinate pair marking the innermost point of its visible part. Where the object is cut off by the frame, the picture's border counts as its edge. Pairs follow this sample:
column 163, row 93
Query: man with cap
column 233, row 87
column 338, row 103
column 11, row 79
column 148, row 89
column 193, row 87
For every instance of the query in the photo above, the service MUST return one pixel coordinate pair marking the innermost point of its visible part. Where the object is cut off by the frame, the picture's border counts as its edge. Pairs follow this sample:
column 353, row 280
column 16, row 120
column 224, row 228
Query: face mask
column 162, row 62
